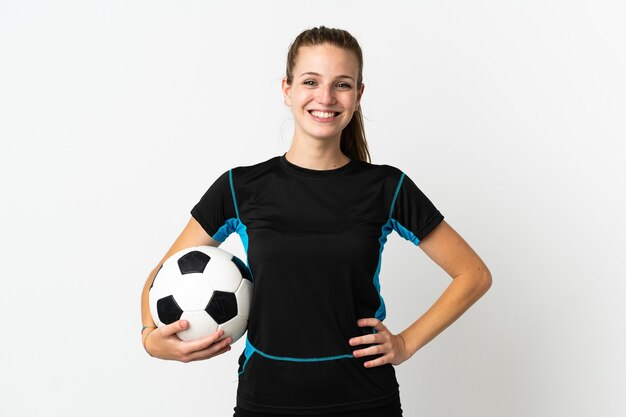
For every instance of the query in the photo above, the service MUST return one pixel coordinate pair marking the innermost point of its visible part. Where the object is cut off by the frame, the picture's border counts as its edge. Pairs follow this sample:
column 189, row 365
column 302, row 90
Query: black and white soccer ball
column 205, row 285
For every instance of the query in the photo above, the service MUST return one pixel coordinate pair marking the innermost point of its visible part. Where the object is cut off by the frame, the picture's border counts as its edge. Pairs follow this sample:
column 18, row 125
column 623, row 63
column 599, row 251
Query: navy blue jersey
column 314, row 241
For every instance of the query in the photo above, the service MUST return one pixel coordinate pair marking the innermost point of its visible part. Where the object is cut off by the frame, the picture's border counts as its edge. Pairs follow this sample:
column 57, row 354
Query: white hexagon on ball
column 200, row 325
column 244, row 296
column 234, row 328
column 193, row 292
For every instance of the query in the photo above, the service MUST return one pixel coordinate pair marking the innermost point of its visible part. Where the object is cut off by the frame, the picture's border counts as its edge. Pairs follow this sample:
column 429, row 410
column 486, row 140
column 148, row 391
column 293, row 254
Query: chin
column 324, row 135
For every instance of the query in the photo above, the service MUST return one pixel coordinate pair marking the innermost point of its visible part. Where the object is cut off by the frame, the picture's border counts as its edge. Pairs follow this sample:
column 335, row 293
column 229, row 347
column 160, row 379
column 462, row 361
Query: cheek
column 349, row 100
column 301, row 97
column 349, row 105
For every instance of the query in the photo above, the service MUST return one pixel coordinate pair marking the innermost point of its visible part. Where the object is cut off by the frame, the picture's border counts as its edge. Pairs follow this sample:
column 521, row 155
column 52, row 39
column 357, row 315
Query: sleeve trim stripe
column 431, row 224
column 395, row 196
column 232, row 190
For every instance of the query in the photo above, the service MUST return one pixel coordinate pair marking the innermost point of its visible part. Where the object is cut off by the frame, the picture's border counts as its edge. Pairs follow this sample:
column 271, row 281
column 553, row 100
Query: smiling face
column 324, row 93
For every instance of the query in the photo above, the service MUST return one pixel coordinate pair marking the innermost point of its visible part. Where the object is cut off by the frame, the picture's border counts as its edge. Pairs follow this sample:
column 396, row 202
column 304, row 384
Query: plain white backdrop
column 115, row 116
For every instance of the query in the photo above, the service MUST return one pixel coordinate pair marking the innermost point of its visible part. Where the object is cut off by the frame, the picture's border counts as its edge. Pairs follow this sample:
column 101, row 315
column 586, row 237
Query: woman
column 313, row 223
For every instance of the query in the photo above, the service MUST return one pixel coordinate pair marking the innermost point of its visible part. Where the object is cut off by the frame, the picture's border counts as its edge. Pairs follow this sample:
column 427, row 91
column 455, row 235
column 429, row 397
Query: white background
column 116, row 116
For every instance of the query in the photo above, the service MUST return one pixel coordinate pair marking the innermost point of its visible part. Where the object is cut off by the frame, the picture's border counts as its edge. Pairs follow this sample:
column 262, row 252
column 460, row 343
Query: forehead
column 326, row 60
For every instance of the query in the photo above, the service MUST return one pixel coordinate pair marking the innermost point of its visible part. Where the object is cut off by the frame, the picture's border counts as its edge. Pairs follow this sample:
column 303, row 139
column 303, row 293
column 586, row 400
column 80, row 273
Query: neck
column 318, row 155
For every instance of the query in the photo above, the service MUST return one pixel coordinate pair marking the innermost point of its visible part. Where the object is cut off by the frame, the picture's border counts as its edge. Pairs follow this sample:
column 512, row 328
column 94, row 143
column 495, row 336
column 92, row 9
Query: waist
column 269, row 383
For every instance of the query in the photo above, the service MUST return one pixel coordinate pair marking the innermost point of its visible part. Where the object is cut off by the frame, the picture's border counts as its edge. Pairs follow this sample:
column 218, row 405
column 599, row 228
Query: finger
column 367, row 339
column 372, row 350
column 372, row 322
column 175, row 327
column 215, row 349
column 205, row 342
column 376, row 362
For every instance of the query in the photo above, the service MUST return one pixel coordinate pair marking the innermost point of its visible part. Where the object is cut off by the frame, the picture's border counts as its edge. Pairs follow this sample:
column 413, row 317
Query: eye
column 344, row 85
column 309, row 82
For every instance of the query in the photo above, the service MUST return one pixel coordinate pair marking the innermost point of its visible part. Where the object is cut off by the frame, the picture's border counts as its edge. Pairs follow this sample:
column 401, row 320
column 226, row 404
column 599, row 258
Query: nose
column 325, row 95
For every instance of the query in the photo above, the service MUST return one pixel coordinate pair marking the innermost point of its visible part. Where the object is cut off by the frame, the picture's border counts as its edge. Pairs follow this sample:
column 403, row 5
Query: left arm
column 470, row 280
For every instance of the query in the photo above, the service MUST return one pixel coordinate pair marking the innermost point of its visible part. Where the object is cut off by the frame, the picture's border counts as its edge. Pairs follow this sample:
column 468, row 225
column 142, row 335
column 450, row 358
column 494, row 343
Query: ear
column 360, row 94
column 286, row 91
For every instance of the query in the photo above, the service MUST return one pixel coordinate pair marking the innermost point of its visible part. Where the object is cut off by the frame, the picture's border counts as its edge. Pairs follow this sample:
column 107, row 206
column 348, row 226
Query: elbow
column 485, row 281
column 477, row 282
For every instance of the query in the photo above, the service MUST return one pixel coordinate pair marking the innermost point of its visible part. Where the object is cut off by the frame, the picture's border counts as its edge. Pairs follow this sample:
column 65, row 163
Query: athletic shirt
column 314, row 241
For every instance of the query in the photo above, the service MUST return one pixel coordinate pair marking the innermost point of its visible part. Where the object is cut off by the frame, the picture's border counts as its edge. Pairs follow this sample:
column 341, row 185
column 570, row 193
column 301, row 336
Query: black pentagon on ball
column 243, row 269
column 222, row 306
column 193, row 262
column 168, row 310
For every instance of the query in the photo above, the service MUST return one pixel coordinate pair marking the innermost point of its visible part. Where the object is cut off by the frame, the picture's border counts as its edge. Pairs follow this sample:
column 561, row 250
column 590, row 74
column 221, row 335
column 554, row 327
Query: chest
column 315, row 207
column 312, row 223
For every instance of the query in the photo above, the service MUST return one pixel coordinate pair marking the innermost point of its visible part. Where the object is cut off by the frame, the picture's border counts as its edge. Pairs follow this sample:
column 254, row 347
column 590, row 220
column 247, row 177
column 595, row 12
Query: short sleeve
column 216, row 210
column 413, row 215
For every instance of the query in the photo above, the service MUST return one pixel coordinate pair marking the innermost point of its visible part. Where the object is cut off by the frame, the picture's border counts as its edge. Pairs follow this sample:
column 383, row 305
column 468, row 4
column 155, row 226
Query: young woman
column 314, row 222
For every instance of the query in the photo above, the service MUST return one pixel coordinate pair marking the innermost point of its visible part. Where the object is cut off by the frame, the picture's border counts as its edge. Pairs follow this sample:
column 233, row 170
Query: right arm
column 162, row 342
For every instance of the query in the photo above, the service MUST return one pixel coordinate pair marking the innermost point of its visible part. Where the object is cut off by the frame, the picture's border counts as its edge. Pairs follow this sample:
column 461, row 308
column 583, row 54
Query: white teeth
column 322, row 115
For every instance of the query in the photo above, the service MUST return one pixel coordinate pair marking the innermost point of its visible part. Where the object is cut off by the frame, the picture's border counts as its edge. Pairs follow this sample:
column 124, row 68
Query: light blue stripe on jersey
column 237, row 224
column 404, row 232
column 232, row 190
column 227, row 228
column 250, row 349
column 381, row 313
column 395, row 196
column 397, row 226
column 234, row 224
column 387, row 228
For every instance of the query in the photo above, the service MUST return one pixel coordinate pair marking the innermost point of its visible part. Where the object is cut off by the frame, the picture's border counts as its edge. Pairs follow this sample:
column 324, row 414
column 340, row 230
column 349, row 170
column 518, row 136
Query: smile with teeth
column 323, row 114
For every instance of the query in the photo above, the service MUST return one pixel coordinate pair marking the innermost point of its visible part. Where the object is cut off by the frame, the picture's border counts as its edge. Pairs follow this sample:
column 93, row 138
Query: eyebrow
column 315, row 73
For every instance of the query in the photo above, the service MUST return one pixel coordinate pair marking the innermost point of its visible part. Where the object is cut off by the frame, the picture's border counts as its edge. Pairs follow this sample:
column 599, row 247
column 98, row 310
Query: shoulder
column 256, row 167
column 240, row 169
column 395, row 173
column 383, row 171
column 247, row 173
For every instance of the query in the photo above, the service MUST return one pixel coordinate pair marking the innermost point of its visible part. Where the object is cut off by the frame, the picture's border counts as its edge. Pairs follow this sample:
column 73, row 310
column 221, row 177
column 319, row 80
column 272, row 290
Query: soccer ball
column 205, row 285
